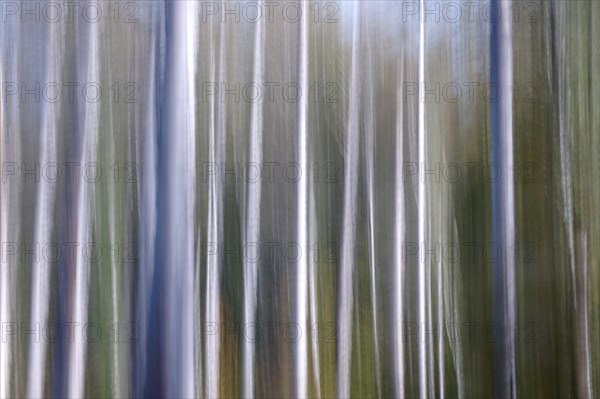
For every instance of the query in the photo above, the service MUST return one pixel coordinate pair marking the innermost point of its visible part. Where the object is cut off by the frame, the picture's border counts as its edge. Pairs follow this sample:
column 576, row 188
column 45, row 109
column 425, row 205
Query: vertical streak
column 192, row 36
column 5, row 358
column 115, row 372
column 503, row 204
column 586, row 381
column 313, row 237
column 43, row 229
column 566, row 162
column 369, row 158
column 215, row 233
column 85, row 206
column 441, row 365
column 301, row 363
column 253, row 215
column 422, row 203
column 172, row 244
column 10, row 223
column 210, row 235
column 147, row 225
column 349, row 221
column 399, row 238
column 565, row 153
column 429, row 323
column 440, row 313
